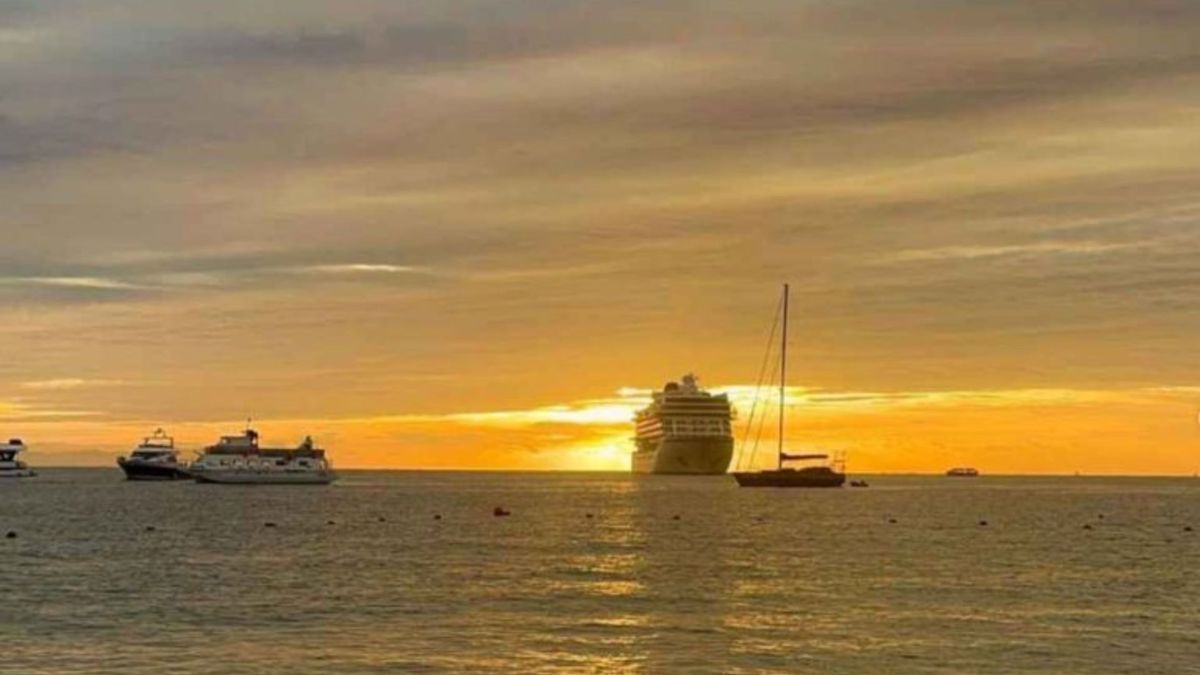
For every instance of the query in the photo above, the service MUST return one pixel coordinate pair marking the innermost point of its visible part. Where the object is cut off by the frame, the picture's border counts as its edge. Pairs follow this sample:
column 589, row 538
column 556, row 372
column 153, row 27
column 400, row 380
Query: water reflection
column 601, row 596
column 743, row 581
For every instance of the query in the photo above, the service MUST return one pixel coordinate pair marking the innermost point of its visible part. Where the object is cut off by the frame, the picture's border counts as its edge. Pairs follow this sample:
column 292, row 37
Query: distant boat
column 155, row 458
column 10, row 466
column 819, row 476
column 963, row 472
column 239, row 459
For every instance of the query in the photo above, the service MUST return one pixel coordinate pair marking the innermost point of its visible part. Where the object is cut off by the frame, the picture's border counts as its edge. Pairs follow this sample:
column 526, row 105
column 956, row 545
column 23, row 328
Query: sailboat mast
column 783, row 372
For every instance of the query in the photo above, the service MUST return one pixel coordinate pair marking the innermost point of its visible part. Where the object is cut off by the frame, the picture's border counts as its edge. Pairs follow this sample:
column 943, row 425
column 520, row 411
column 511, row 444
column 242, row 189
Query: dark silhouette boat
column 10, row 466
column 155, row 458
column 823, row 475
column 819, row 476
column 963, row 472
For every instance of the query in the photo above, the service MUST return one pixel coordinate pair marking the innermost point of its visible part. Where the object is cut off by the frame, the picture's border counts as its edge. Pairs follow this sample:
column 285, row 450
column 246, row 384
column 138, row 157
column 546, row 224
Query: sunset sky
column 474, row 234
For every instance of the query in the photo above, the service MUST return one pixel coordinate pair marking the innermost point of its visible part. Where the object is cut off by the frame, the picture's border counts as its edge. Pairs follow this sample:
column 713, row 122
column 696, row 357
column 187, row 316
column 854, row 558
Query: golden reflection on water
column 627, row 621
column 740, row 583
column 604, row 573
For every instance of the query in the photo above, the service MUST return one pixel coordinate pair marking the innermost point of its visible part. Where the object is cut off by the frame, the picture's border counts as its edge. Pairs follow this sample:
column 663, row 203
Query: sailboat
column 813, row 476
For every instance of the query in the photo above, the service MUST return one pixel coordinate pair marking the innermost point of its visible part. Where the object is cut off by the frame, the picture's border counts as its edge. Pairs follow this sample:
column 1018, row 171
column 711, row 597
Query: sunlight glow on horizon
column 890, row 432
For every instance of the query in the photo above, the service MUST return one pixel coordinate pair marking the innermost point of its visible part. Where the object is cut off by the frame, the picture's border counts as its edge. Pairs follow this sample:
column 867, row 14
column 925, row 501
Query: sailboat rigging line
column 757, row 390
column 762, row 420
column 762, row 371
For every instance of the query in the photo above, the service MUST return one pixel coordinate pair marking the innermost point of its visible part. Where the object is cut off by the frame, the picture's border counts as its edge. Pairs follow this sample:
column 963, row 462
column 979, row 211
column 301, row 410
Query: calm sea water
column 745, row 581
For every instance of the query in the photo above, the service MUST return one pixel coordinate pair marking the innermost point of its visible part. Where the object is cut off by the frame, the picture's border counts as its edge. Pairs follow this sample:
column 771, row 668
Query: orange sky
column 416, row 229
column 1143, row 431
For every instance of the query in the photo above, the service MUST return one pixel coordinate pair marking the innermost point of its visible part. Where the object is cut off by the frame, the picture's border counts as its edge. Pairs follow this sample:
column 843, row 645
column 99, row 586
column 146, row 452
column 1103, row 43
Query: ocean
column 599, row 573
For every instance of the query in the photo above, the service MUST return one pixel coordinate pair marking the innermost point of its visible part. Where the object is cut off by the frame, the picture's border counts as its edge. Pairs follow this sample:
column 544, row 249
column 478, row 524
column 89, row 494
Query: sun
column 608, row 453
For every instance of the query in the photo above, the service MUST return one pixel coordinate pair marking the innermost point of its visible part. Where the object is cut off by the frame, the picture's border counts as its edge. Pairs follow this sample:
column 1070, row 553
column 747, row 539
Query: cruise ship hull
column 686, row 456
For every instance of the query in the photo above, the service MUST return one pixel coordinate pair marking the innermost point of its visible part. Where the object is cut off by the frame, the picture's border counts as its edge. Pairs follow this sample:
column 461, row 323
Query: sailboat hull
column 813, row 477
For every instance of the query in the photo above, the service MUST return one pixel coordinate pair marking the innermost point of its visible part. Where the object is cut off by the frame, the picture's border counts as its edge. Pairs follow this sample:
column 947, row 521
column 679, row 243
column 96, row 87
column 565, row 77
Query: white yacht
column 155, row 458
column 10, row 466
column 239, row 459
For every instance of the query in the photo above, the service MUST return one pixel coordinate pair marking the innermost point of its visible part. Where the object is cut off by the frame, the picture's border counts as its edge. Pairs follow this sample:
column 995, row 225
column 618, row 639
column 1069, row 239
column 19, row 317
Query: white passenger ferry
column 239, row 459
column 10, row 466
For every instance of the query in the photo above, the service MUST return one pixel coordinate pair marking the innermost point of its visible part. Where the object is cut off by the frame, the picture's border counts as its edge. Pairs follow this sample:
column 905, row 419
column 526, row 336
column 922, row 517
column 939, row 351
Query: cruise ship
column 684, row 430
column 239, row 459
column 155, row 458
column 10, row 466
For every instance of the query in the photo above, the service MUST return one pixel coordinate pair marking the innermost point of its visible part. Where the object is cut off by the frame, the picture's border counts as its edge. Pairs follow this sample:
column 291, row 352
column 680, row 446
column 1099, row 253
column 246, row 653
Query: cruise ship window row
column 701, row 427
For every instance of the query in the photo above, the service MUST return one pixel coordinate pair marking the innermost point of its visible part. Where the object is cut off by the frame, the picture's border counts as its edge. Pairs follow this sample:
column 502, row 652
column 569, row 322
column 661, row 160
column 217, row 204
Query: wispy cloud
column 87, row 283
column 68, row 383
column 16, row 411
column 1028, row 249
column 620, row 410
column 21, row 37
column 585, row 413
column 237, row 273
column 366, row 268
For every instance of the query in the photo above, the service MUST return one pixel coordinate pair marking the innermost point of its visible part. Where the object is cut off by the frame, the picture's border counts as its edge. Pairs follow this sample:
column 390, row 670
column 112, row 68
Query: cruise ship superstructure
column 684, row 430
